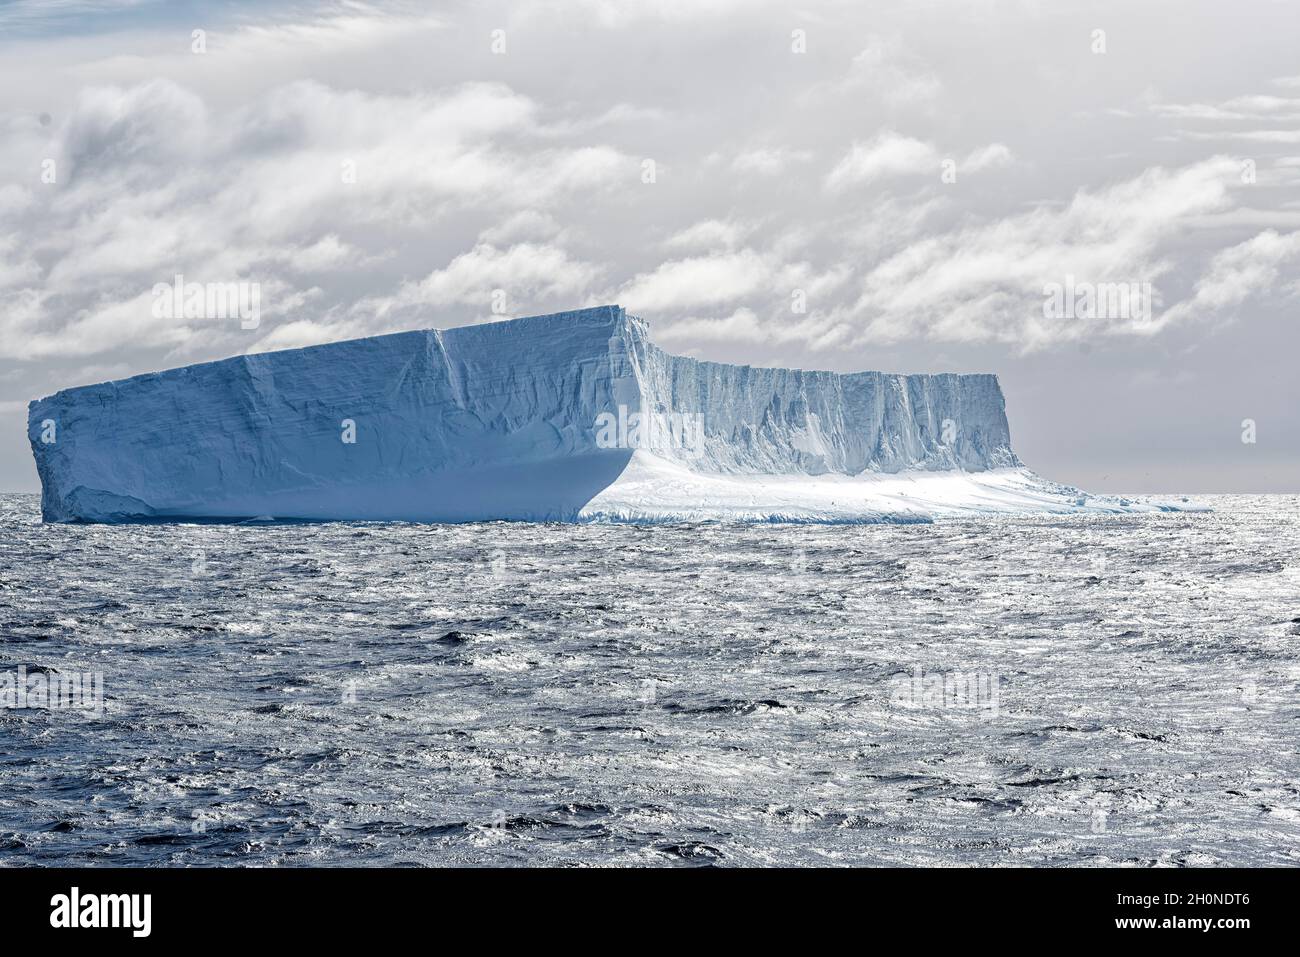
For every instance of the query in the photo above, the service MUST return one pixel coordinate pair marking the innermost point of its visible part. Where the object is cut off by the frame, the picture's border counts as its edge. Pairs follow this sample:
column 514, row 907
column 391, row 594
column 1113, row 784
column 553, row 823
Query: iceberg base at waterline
column 652, row 490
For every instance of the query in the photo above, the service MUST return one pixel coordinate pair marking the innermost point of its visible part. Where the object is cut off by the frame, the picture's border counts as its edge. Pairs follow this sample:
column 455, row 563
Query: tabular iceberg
column 569, row 417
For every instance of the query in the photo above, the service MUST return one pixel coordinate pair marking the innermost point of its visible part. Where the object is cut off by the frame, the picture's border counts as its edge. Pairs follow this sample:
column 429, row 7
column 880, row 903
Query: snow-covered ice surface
column 500, row 421
column 659, row 694
column 653, row 489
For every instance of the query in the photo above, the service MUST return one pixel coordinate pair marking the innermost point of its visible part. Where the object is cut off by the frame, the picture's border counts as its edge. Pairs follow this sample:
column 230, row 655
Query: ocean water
column 1047, row 691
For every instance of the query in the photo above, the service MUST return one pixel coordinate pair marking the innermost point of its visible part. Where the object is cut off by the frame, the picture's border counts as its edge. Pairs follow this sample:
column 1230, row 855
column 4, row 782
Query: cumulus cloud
column 892, row 154
column 986, row 282
column 1237, row 273
column 528, row 269
column 743, row 325
column 696, row 281
column 303, row 153
column 986, row 157
column 887, row 154
column 151, row 181
column 887, row 69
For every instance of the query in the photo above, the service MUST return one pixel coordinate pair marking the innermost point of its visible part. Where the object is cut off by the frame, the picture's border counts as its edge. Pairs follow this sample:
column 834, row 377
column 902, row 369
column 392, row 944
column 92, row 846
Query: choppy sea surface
column 1046, row 691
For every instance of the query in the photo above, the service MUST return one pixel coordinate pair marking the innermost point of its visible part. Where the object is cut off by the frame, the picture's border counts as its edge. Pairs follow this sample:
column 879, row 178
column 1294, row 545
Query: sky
column 902, row 187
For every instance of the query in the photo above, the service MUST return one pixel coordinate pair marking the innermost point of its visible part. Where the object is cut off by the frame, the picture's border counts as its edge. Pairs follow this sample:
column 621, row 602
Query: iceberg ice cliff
column 569, row 417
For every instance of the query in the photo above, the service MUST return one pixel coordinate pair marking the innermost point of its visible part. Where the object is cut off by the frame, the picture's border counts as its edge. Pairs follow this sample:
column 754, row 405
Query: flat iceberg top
column 575, row 416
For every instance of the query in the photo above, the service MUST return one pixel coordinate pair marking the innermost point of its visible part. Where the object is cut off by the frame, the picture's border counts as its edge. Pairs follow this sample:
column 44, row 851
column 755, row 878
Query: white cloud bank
column 365, row 208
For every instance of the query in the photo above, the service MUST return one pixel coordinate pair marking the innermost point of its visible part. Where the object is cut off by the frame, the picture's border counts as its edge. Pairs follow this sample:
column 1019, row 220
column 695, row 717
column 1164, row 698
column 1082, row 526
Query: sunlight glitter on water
column 546, row 694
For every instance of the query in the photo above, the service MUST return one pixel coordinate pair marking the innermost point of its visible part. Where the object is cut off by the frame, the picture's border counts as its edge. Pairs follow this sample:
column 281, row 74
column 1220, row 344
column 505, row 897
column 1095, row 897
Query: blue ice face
column 506, row 420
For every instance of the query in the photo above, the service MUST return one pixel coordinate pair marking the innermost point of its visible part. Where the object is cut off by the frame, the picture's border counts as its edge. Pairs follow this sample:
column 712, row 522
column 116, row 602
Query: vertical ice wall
column 774, row 420
column 445, row 424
